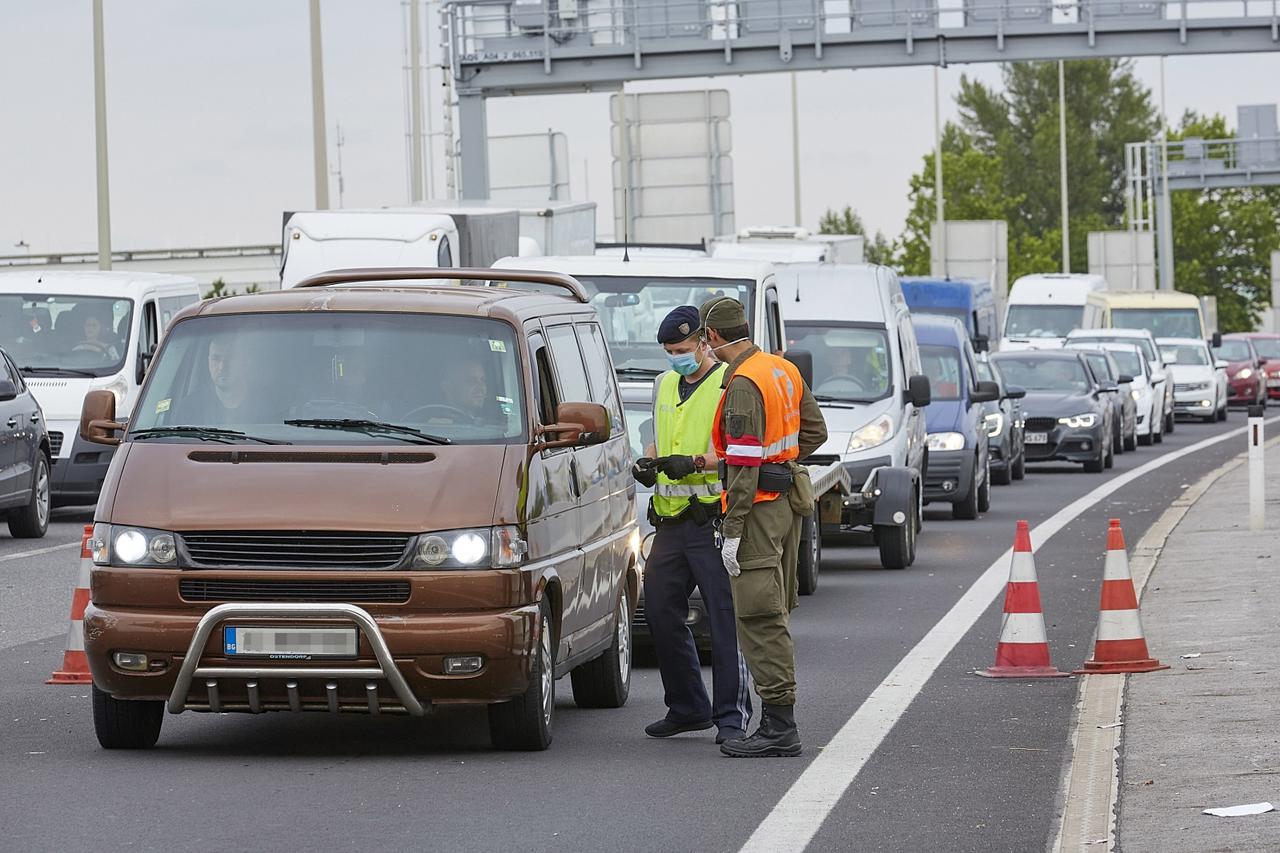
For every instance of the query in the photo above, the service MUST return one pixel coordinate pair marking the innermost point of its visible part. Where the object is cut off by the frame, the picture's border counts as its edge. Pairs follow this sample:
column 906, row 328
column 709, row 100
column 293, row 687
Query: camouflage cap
column 722, row 312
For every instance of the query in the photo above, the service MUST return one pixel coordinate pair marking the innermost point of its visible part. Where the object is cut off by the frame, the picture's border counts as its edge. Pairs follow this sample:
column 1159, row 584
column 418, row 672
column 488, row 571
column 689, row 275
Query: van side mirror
column 98, row 422
column 803, row 360
column 1124, row 379
column 985, row 392
column 981, row 343
column 577, row 424
column 8, row 390
column 1014, row 392
column 919, row 393
column 1216, row 340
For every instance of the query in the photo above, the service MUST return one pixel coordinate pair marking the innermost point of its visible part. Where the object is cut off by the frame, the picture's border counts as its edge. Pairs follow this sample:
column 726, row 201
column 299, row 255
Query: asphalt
column 974, row 764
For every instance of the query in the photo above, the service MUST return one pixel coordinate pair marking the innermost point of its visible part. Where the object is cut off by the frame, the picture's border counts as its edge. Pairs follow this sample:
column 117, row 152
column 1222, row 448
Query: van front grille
column 391, row 592
column 302, row 549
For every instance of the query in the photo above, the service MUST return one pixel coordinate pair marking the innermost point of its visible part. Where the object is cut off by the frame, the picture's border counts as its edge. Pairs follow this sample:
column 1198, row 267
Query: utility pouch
column 775, row 477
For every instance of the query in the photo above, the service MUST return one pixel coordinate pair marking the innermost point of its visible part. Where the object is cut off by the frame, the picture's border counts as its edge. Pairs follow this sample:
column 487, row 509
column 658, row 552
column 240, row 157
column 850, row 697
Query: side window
column 569, row 367
column 543, row 379
column 773, row 318
column 970, row 367
column 600, row 371
column 7, row 371
column 910, row 351
column 446, row 252
column 169, row 307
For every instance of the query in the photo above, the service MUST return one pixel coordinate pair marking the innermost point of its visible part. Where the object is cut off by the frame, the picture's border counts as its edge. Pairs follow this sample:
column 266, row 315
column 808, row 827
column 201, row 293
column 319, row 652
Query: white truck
column 784, row 244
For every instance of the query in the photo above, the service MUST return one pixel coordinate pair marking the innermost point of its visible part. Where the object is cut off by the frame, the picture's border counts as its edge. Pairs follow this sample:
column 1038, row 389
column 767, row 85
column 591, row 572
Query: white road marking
column 4, row 558
column 798, row 816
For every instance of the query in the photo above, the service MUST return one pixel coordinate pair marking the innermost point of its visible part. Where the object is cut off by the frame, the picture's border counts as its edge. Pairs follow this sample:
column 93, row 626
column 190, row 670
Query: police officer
column 685, row 502
column 767, row 422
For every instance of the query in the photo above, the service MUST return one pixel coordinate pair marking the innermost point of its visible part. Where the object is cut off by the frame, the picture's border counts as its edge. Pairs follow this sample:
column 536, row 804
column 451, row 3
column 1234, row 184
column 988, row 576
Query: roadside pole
column 1257, row 478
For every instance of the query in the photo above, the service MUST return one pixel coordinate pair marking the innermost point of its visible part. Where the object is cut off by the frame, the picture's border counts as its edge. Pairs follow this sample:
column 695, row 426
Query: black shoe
column 667, row 728
column 777, row 736
column 729, row 733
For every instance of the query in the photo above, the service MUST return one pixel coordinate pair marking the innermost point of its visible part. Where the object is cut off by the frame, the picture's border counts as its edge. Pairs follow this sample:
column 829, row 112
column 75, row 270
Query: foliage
column 219, row 288
column 877, row 251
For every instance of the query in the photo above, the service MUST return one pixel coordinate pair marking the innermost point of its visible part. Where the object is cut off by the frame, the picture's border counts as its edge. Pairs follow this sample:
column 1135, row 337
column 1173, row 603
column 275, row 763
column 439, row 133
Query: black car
column 24, row 456
column 1003, row 421
column 1068, row 412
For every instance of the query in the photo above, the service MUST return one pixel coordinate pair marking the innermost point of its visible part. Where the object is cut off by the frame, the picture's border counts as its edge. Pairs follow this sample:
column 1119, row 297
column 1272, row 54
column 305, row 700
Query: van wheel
column 32, row 521
column 810, row 557
column 967, row 507
column 606, row 681
column 123, row 724
column 897, row 543
column 525, row 721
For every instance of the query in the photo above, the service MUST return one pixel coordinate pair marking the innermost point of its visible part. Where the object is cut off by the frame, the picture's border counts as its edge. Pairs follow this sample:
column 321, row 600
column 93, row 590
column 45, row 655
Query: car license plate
column 290, row 643
column 1037, row 438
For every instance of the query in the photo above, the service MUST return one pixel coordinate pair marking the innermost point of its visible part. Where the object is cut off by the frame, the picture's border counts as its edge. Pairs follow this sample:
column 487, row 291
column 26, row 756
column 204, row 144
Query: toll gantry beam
column 504, row 47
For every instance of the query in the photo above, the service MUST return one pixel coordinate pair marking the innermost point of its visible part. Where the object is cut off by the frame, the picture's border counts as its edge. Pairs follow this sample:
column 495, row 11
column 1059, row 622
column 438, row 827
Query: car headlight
column 1197, row 386
column 1135, row 394
column 479, row 548
column 115, row 544
column 945, row 441
column 1245, row 374
column 1083, row 421
column 993, row 423
column 873, row 434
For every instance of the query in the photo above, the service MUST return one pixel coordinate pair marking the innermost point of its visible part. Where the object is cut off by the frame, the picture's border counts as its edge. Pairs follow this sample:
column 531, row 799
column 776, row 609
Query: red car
column 1268, row 346
column 1245, row 373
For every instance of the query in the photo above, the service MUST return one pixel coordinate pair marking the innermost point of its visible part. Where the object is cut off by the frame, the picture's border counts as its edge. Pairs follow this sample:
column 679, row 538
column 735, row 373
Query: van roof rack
column 698, row 247
column 486, row 276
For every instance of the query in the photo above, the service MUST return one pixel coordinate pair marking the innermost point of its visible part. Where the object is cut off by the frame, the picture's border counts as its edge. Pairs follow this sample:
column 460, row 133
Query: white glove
column 729, row 554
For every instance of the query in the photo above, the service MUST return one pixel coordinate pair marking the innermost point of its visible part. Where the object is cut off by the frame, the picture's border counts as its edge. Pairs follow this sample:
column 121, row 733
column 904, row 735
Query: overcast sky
column 210, row 122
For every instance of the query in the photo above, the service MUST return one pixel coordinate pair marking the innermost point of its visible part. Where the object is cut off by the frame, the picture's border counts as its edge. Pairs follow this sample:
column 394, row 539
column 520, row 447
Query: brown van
column 382, row 491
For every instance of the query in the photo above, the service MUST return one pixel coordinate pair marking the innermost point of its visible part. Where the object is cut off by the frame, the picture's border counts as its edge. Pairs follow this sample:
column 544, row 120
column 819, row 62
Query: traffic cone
column 75, row 666
column 1120, row 645
column 1023, row 650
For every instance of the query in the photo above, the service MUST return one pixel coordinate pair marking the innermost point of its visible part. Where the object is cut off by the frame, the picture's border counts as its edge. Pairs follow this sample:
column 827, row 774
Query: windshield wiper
column 204, row 433
column 57, row 371
column 829, row 398
column 638, row 371
column 368, row 427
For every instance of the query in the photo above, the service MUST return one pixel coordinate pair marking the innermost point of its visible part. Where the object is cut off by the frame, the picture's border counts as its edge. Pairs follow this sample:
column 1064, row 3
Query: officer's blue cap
column 678, row 325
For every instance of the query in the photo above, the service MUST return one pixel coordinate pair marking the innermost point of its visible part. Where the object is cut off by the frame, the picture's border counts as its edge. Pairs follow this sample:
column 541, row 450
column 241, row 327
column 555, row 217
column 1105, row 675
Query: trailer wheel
column 810, row 556
column 897, row 542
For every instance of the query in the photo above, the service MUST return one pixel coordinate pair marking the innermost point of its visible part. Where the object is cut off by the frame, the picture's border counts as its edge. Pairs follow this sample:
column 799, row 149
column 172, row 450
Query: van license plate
column 290, row 643
column 1037, row 438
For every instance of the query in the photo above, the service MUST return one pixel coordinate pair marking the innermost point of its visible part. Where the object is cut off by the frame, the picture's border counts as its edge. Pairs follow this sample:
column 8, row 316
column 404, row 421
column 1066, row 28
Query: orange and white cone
column 1023, row 650
column 1120, row 645
column 75, row 666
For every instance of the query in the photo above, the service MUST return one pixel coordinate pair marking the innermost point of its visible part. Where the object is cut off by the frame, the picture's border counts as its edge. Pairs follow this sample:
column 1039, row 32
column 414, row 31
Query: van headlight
column 115, row 544
column 993, row 423
column 873, row 434
column 1083, row 421
column 118, row 387
column 476, row 548
column 945, row 441
column 1135, row 394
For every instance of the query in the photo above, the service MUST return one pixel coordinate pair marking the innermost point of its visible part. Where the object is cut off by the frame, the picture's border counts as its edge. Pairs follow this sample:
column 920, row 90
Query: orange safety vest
column 781, row 388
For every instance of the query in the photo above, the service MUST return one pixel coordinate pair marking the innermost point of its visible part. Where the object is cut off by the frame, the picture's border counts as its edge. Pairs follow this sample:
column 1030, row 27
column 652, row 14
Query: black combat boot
column 776, row 736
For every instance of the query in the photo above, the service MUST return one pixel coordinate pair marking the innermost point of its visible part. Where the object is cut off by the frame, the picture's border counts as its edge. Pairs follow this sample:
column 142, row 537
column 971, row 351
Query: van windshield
column 1042, row 321
column 336, row 378
column 849, row 362
column 632, row 308
column 942, row 366
column 65, row 335
column 1161, row 322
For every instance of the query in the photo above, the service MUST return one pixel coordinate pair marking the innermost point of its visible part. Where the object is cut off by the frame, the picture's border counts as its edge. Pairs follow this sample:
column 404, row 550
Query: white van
column 785, row 244
column 75, row 332
column 1043, row 308
column 867, row 378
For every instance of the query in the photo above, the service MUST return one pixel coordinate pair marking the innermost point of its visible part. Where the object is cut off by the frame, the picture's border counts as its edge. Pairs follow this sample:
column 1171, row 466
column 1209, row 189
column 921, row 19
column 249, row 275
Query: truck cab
column 970, row 301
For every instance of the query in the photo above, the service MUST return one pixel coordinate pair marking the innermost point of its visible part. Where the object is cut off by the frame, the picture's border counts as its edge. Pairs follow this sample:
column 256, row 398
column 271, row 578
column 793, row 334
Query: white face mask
column 727, row 344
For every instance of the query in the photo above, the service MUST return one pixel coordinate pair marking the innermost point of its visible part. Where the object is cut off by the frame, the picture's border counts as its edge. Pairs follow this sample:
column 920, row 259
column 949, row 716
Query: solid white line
column 798, row 816
column 4, row 558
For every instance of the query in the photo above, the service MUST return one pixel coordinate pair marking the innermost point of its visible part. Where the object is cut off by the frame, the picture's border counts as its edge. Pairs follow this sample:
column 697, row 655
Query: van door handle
column 12, row 422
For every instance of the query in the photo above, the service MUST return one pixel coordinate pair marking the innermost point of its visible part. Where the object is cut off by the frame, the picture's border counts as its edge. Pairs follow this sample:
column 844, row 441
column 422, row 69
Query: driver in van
column 466, row 388
column 228, row 363
column 93, row 342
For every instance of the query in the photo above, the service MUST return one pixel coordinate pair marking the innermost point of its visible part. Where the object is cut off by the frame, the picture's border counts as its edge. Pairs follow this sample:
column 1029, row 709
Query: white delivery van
column 75, row 332
column 1043, row 308
column 867, row 378
column 785, row 244
column 557, row 228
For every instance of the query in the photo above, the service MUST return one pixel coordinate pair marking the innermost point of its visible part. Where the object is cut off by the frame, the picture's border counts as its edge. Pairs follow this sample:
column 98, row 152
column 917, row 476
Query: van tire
column 523, row 723
column 967, row 507
column 897, row 543
column 606, row 681
column 32, row 521
column 810, row 556
column 123, row 724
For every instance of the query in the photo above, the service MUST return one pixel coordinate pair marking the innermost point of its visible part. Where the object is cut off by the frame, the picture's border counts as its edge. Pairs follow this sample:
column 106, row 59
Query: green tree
column 877, row 251
column 217, row 288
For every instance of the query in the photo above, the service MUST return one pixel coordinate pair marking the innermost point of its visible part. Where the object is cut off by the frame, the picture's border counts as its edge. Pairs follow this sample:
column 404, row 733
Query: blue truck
column 971, row 301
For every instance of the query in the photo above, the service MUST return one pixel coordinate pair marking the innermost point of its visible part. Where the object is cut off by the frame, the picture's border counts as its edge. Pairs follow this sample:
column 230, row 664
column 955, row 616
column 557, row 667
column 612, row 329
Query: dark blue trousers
column 684, row 555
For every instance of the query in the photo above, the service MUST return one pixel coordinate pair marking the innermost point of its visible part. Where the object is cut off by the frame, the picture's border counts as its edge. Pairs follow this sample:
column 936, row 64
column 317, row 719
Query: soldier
column 767, row 422
column 685, row 502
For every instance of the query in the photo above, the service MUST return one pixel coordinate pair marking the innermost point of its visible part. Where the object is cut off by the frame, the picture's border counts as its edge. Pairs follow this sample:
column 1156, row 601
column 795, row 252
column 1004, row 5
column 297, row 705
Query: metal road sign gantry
column 508, row 47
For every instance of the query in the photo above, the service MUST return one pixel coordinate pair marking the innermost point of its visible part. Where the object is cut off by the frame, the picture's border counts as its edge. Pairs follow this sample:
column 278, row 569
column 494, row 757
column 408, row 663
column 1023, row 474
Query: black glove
column 676, row 467
column 645, row 472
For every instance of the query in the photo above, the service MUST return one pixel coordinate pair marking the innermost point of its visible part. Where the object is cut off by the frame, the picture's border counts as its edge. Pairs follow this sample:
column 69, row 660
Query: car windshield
column 65, row 335
column 1267, row 347
column 1185, row 354
column 849, row 362
column 632, row 308
column 1141, row 342
column 1161, row 322
column 1098, row 364
column 639, row 432
column 320, row 377
column 1042, row 321
column 942, row 366
column 1044, row 374
column 1233, row 351
column 1128, row 360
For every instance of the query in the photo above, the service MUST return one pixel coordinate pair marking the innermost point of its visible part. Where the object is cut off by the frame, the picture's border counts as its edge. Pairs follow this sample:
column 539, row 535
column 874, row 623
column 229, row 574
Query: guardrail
column 41, row 259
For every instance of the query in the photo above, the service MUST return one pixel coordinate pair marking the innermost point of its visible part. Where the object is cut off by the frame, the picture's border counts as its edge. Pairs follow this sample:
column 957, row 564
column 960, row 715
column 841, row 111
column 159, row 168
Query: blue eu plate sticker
column 229, row 640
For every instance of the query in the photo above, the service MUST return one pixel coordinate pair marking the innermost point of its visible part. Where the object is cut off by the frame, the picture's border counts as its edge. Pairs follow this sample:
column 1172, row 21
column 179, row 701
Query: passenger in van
column 94, row 339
